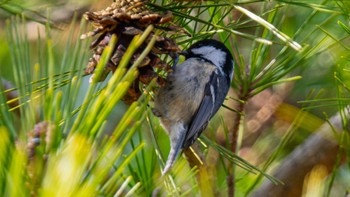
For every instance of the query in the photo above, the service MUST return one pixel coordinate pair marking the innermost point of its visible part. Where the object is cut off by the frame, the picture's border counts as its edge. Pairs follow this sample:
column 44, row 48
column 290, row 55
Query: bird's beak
column 184, row 53
column 175, row 57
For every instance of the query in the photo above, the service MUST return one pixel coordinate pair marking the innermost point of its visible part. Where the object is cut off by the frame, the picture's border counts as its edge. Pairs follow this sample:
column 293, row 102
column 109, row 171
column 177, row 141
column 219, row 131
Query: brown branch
column 233, row 143
column 203, row 176
column 319, row 149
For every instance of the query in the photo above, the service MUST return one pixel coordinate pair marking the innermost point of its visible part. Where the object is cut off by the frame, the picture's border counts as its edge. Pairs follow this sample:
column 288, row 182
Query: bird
column 193, row 93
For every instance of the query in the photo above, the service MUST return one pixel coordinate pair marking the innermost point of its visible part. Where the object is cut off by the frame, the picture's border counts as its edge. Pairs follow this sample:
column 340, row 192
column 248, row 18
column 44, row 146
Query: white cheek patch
column 212, row 54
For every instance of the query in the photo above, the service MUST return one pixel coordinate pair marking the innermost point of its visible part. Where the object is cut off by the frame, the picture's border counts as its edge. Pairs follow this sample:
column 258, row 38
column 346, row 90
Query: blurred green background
column 279, row 99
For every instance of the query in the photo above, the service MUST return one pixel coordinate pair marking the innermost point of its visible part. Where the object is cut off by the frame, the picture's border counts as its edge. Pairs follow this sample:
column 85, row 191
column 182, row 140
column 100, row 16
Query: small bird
column 193, row 93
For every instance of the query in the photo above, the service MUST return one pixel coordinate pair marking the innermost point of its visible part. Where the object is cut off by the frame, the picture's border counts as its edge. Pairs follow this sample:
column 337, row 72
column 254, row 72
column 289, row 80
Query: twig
column 203, row 178
column 233, row 143
column 319, row 149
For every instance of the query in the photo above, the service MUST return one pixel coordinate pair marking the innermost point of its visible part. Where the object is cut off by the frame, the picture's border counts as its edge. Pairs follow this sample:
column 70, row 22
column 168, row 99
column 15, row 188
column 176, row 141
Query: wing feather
column 205, row 112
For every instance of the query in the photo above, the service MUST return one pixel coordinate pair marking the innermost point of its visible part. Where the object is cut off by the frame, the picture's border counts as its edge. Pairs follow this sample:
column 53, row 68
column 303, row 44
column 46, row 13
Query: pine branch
column 319, row 149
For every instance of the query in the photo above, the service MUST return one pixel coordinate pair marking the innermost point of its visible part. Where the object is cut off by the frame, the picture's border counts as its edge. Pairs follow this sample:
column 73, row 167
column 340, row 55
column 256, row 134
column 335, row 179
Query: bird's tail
column 176, row 145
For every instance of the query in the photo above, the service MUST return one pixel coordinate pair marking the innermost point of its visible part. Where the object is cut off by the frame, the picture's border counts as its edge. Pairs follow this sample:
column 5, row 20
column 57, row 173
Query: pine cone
column 125, row 19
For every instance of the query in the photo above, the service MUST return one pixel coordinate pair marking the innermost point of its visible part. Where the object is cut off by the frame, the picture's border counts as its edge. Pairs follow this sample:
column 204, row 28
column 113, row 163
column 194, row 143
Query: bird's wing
column 204, row 113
